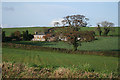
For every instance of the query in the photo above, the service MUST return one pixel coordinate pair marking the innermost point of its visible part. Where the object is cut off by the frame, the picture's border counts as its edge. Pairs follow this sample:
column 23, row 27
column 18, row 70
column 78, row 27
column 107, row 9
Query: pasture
column 101, row 44
column 32, row 30
column 54, row 59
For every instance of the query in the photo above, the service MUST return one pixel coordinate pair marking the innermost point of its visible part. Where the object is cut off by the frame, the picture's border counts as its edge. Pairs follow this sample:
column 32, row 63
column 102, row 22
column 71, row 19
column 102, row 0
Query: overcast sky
column 45, row 13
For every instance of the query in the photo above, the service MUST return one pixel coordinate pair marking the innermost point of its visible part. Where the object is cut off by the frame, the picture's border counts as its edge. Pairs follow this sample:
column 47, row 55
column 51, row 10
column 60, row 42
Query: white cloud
column 56, row 20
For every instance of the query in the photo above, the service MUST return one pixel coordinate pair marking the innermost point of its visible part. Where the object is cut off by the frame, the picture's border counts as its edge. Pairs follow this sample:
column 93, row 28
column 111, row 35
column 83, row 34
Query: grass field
column 101, row 64
column 96, row 32
column 33, row 29
column 44, row 58
column 102, row 43
column 30, row 29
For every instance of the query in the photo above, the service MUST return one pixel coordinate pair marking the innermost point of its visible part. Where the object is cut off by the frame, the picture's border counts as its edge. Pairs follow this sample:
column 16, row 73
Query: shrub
column 19, row 70
column 88, row 68
column 62, row 73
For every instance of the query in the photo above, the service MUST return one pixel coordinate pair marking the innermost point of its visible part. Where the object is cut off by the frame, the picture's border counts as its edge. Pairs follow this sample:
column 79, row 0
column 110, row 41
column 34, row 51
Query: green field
column 98, row 63
column 101, row 64
column 33, row 29
column 30, row 29
column 102, row 43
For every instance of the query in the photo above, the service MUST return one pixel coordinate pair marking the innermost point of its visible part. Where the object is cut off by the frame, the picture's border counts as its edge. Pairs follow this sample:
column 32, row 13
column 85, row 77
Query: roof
column 40, row 33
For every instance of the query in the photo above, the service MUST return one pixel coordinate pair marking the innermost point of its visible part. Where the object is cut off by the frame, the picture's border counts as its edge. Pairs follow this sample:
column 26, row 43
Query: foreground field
column 47, row 64
column 102, row 43
column 53, row 59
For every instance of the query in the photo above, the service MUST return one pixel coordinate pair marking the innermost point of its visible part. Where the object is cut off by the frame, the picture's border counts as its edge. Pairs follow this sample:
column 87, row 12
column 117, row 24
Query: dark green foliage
column 16, row 36
column 106, row 31
column 26, row 36
column 3, row 36
column 99, row 30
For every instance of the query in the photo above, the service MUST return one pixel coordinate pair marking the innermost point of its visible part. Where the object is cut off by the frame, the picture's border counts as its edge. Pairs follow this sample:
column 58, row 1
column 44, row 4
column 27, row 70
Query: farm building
column 62, row 37
column 39, row 37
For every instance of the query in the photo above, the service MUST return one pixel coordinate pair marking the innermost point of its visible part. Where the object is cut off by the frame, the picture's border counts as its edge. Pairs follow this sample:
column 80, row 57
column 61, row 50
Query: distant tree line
column 17, row 36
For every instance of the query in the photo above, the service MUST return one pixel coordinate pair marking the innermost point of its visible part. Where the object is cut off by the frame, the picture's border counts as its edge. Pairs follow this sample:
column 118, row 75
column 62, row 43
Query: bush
column 19, row 70
column 16, row 36
column 88, row 68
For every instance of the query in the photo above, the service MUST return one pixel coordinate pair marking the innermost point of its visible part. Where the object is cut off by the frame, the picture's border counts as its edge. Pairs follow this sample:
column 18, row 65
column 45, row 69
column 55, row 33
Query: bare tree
column 107, row 27
column 106, row 24
column 75, row 21
column 63, row 22
column 99, row 29
column 56, row 24
column 72, row 33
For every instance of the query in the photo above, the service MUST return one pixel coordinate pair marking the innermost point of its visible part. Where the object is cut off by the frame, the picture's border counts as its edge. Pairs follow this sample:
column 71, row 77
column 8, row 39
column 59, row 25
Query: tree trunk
column 75, row 48
column 100, row 33
column 106, row 32
column 75, row 44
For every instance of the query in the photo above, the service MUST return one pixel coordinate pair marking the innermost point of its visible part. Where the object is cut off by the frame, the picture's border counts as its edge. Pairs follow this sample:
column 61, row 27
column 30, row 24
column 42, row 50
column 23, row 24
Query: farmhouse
column 62, row 38
column 39, row 37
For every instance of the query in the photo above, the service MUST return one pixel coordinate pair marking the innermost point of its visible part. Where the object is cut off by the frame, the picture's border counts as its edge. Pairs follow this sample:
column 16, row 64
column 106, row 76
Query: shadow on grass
column 36, row 43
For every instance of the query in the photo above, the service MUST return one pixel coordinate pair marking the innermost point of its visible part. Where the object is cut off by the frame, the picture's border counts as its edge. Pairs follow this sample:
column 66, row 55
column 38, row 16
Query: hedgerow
column 32, row 47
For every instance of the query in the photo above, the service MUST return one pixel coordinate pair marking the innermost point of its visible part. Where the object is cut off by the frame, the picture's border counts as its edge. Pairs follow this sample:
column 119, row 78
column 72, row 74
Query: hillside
column 33, row 29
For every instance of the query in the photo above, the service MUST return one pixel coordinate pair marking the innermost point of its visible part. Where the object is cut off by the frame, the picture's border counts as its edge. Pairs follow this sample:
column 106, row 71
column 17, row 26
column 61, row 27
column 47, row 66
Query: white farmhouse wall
column 38, row 38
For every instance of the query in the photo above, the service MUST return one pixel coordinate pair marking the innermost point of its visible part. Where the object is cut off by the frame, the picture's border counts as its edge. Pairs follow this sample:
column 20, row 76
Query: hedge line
column 32, row 47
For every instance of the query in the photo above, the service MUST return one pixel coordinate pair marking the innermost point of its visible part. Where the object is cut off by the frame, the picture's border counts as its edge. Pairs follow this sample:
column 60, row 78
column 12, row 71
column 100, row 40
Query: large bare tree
column 75, row 21
column 72, row 33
